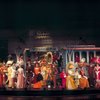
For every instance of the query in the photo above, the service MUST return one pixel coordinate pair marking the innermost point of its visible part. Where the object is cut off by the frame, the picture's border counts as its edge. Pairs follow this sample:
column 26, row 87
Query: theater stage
column 43, row 92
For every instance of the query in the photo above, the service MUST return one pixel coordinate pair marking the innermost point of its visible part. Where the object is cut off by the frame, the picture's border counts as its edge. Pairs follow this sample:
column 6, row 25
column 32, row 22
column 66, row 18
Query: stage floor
column 80, row 97
column 43, row 92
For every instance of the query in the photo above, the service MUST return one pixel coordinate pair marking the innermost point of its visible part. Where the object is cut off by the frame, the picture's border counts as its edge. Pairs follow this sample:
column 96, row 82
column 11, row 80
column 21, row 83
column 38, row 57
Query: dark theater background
column 53, row 24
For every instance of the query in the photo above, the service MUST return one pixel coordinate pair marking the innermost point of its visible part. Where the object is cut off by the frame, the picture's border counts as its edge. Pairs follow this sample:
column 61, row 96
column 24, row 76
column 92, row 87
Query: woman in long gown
column 38, row 79
column 9, row 76
column 97, row 76
column 63, row 76
column 1, row 76
column 83, row 81
column 49, row 77
column 70, row 83
column 20, row 78
column 54, row 74
column 4, row 67
column 44, row 72
column 13, row 75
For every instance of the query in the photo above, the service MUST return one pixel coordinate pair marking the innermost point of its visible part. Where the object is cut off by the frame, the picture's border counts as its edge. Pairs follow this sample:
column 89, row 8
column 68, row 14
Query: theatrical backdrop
column 41, row 61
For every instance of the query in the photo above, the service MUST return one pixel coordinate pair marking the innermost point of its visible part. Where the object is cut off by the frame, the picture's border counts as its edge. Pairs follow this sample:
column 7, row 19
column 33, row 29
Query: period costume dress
column 37, row 81
column 70, row 82
column 44, row 72
column 20, row 78
column 13, row 76
column 49, row 77
column 9, row 76
column 97, row 76
column 63, row 76
column 54, row 74
column 4, row 69
column 1, row 77
column 82, row 65
column 91, row 74
column 29, row 73
column 36, row 70
column 83, row 81
column 77, row 77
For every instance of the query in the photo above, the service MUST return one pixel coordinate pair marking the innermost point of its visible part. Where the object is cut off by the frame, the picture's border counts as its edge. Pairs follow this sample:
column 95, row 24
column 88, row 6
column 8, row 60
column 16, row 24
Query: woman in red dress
column 1, row 76
column 63, row 76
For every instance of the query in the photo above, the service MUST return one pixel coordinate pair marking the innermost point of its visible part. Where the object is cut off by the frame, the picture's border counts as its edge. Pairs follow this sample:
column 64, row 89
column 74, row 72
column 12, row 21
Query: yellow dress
column 9, row 76
column 44, row 73
column 70, row 83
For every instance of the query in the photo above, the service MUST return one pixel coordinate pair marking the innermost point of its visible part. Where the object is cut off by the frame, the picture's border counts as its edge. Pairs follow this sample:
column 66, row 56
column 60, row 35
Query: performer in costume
column 55, row 57
column 13, row 75
column 20, row 78
column 77, row 77
column 49, row 77
column 29, row 73
column 60, row 62
column 97, row 75
column 63, row 76
column 77, row 59
column 20, row 61
column 83, row 81
column 44, row 72
column 38, row 79
column 91, row 74
column 49, row 58
column 54, row 73
column 1, row 76
column 98, row 59
column 36, row 68
column 4, row 68
column 70, row 83
column 83, row 66
column 9, row 64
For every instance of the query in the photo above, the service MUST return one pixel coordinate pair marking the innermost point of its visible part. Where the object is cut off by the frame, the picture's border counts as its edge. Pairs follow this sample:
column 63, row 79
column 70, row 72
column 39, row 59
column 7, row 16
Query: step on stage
column 43, row 92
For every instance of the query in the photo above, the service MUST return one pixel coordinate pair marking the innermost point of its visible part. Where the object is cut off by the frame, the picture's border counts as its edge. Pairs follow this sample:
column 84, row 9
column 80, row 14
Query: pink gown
column 20, row 78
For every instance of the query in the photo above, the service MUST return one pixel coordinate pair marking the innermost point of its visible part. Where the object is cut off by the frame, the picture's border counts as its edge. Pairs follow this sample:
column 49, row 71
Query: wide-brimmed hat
column 70, row 65
column 9, row 62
